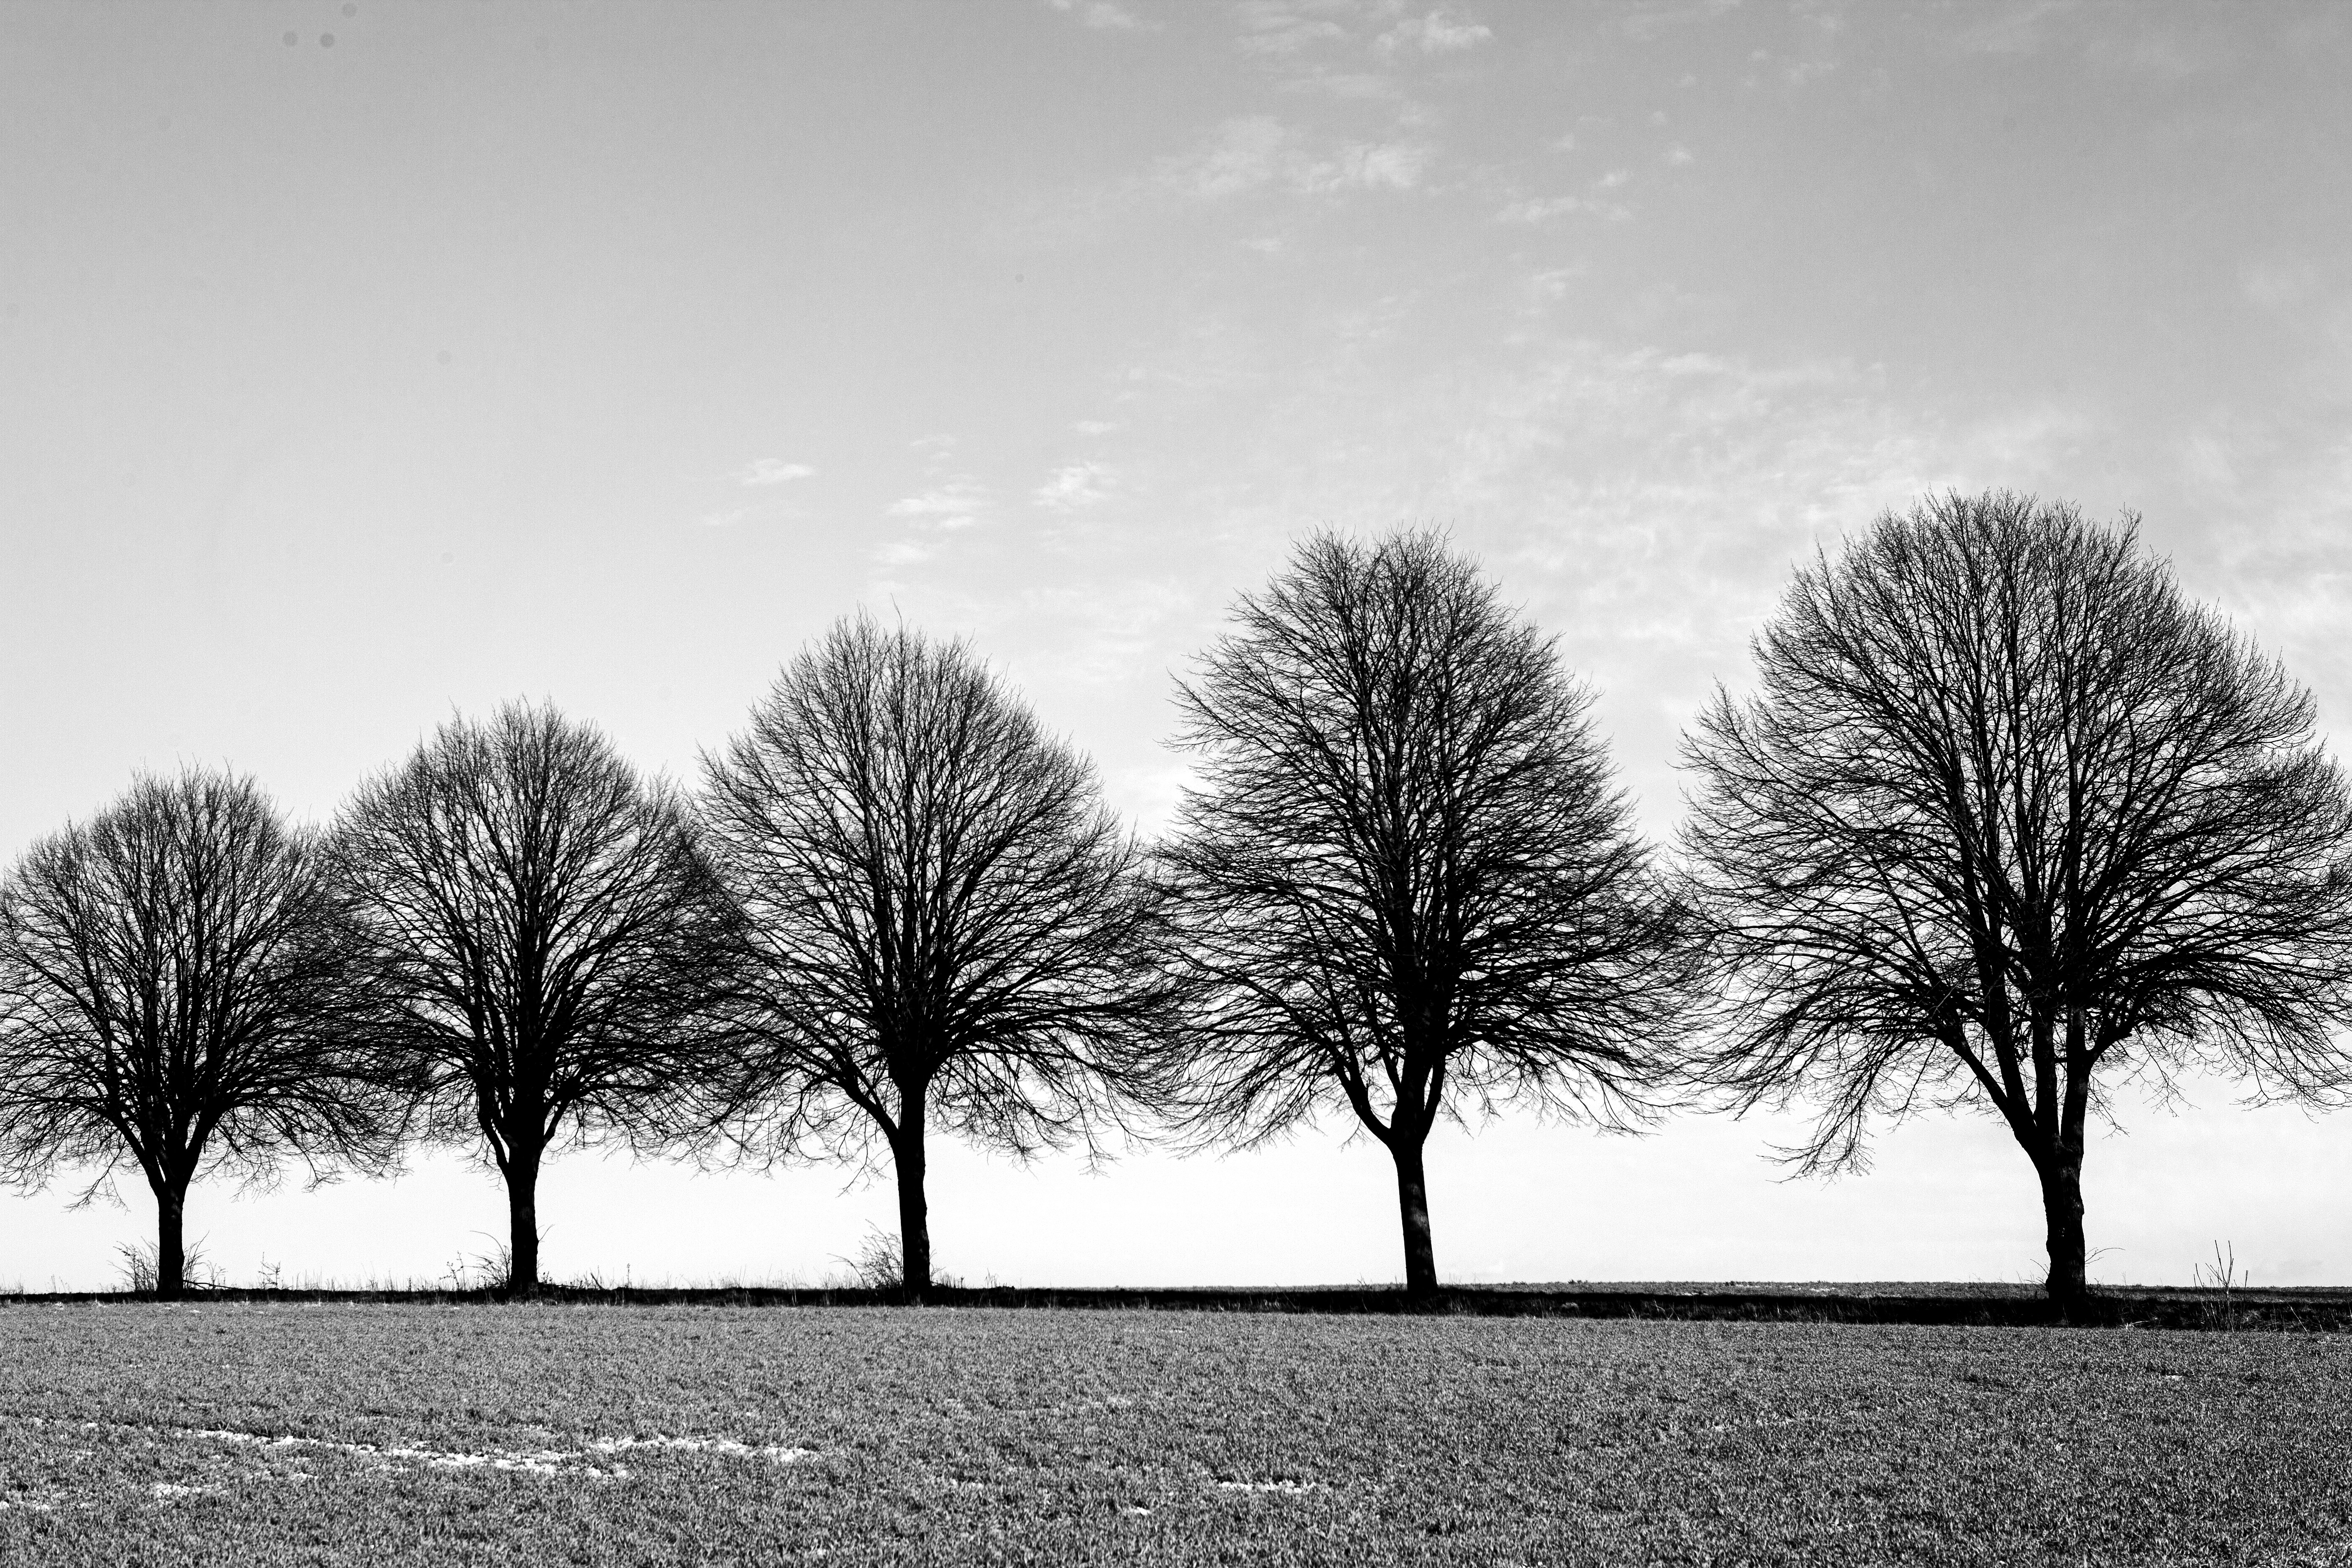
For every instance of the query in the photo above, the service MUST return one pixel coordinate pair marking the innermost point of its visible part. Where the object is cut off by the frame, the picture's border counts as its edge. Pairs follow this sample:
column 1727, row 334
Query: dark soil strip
column 2303, row 1311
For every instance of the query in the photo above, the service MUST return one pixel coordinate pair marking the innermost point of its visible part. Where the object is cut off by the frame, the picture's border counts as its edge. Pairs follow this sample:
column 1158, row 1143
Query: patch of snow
column 776, row 1453
column 401, row 1459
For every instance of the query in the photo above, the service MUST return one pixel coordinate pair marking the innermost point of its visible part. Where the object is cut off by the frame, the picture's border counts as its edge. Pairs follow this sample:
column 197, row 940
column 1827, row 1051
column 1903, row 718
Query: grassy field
column 362, row 1433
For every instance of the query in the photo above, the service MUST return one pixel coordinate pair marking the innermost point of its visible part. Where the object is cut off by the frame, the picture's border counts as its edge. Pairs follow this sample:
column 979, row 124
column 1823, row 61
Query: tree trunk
column 522, row 1222
column 1412, row 1201
column 914, row 1210
column 171, row 1244
column 2061, row 1206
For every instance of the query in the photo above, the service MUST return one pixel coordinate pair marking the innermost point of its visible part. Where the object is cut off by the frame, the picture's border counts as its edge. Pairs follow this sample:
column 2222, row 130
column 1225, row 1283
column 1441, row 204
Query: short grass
column 362, row 1433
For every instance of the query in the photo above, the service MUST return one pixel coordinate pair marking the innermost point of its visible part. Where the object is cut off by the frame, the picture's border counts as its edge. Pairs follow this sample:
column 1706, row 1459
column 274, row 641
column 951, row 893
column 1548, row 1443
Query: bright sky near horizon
column 363, row 362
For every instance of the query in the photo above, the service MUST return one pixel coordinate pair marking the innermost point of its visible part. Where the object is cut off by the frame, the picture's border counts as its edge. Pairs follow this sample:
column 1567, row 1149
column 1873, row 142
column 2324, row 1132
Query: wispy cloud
column 773, row 471
column 1286, row 27
column 1100, row 13
column 1245, row 154
column 906, row 552
column 2012, row 29
column 1437, row 33
column 1257, row 152
column 1546, row 209
column 1074, row 486
column 1542, row 209
column 960, row 502
column 1650, row 21
column 761, row 473
column 934, row 514
column 1365, row 166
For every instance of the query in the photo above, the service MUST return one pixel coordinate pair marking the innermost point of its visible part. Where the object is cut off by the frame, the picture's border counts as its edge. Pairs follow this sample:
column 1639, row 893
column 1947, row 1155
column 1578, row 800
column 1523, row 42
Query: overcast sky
column 362, row 362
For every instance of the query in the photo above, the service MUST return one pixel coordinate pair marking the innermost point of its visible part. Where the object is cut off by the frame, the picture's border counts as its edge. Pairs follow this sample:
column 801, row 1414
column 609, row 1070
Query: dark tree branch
column 949, row 927
column 548, row 948
column 1404, row 871
column 2007, row 809
column 174, row 995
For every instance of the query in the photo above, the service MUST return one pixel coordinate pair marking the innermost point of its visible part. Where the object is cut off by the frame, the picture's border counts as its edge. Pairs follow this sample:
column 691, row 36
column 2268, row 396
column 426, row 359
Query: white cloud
column 1094, row 426
column 1540, row 209
column 1680, row 156
column 960, row 502
column 773, row 471
column 1101, row 13
column 2279, row 285
column 1256, row 152
column 1546, row 209
column 930, row 515
column 1333, row 82
column 1363, row 166
column 726, row 518
column 1438, row 32
column 1286, row 27
column 906, row 553
column 1245, row 154
column 2013, row 29
column 1076, row 485
column 1553, row 284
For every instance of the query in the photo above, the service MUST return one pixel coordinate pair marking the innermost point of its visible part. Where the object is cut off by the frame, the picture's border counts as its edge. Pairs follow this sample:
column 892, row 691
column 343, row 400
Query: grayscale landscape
column 1269, row 781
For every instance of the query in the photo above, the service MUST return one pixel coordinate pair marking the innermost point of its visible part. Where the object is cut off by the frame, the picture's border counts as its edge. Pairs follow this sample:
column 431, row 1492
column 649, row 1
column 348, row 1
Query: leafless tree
column 547, row 946
column 950, row 923
column 172, row 997
column 2008, row 818
column 1405, row 883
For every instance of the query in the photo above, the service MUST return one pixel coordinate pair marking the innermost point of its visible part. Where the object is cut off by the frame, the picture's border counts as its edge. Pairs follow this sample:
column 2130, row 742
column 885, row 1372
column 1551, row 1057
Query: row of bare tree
column 2005, row 821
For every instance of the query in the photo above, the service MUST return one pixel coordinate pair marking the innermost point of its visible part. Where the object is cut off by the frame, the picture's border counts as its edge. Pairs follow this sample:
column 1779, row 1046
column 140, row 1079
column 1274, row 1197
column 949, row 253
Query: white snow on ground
column 775, row 1452
column 529, row 1461
column 394, row 1459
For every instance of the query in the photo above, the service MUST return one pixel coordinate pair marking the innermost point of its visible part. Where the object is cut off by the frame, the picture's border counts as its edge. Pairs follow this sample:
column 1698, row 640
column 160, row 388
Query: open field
column 348, row 1432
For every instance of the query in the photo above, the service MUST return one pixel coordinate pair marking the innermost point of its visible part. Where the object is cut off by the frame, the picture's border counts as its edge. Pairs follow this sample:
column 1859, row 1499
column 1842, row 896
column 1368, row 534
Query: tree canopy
column 547, row 950
column 949, row 924
column 2008, row 815
column 175, row 996
column 1406, row 882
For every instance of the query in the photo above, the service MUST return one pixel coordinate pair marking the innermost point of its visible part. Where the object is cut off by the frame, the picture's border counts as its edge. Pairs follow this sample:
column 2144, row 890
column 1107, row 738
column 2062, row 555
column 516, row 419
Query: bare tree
column 2008, row 818
column 172, row 997
column 950, row 923
column 1405, row 883
column 546, row 942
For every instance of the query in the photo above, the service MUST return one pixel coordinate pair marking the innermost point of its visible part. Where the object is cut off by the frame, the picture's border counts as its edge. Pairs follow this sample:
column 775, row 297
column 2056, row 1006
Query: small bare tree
column 2006, row 819
column 173, row 996
column 546, row 946
column 949, row 923
column 1405, row 883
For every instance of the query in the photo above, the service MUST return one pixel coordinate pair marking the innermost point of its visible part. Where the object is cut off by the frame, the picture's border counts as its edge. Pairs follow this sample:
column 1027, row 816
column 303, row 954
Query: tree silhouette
column 172, row 997
column 1404, row 883
column 2006, row 818
column 546, row 946
column 948, row 924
